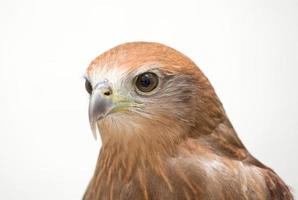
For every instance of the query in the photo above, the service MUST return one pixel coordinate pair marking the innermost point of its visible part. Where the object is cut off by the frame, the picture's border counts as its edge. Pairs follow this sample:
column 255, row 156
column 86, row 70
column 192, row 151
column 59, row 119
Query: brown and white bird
column 165, row 134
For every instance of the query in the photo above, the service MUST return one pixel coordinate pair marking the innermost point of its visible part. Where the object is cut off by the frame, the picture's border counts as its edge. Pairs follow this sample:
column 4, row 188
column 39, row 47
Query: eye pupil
column 88, row 87
column 146, row 82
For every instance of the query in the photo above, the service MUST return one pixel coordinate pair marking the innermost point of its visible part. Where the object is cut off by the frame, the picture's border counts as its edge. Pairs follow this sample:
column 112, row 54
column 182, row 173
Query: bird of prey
column 165, row 134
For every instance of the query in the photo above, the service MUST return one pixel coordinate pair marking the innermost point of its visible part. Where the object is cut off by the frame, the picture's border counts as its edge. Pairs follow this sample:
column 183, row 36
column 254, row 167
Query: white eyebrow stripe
column 147, row 67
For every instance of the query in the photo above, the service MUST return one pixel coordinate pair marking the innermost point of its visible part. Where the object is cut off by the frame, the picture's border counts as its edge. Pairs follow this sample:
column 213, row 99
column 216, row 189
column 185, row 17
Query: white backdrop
column 248, row 50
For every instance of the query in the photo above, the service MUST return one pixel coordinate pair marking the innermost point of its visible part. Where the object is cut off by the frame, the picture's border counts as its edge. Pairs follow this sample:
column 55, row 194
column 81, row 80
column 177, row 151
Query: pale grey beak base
column 99, row 105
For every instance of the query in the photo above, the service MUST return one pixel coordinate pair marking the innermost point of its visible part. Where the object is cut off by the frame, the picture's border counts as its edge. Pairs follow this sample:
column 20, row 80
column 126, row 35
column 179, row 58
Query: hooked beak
column 100, row 104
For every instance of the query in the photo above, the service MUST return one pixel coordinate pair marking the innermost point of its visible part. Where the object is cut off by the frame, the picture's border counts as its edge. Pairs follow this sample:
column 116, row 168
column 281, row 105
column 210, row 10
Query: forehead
column 135, row 58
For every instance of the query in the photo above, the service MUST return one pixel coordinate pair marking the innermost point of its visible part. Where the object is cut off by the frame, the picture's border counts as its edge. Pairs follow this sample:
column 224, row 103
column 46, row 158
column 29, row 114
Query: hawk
column 165, row 134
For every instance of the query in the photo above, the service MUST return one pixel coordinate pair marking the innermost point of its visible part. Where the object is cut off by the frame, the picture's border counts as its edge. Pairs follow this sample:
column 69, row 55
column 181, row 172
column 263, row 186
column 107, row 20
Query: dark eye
column 88, row 86
column 146, row 82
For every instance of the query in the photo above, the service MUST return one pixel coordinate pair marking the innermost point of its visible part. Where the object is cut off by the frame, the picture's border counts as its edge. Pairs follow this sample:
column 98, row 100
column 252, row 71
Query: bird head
column 150, row 91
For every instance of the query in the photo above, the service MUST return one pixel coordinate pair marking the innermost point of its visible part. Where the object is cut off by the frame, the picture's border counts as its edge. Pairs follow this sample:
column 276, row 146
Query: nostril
column 107, row 93
column 103, row 88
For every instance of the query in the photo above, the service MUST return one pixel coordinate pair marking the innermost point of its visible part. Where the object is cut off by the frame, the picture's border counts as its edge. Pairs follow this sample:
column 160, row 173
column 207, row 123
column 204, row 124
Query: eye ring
column 88, row 86
column 146, row 82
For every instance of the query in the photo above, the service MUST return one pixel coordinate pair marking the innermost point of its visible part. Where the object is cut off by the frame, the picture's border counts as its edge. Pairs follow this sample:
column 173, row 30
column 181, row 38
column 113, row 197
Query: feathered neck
column 126, row 147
